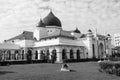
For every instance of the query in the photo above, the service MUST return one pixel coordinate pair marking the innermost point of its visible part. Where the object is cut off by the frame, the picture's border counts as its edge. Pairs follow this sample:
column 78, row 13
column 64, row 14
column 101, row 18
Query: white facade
column 49, row 39
column 117, row 39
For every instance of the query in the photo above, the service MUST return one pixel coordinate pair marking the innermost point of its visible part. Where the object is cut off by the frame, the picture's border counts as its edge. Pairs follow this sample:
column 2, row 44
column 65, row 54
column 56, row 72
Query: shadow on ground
column 5, row 72
column 72, row 70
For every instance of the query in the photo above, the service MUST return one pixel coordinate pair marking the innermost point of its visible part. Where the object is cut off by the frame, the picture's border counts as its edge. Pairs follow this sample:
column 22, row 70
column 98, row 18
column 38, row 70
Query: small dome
column 77, row 31
column 89, row 30
column 51, row 20
column 41, row 24
column 108, row 34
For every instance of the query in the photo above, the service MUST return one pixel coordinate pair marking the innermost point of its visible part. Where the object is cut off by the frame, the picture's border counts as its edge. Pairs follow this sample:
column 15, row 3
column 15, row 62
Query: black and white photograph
column 59, row 39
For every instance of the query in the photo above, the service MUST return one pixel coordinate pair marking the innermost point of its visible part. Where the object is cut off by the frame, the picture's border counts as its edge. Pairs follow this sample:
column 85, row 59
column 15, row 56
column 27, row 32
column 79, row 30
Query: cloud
column 45, row 0
column 19, row 15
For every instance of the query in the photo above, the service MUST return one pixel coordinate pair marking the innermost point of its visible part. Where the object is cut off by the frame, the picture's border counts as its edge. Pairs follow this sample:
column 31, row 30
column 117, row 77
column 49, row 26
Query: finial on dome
column 50, row 9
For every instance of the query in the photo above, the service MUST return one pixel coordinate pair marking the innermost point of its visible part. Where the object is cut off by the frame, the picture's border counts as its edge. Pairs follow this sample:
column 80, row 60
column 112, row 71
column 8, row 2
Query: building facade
column 116, row 48
column 117, row 39
column 50, row 41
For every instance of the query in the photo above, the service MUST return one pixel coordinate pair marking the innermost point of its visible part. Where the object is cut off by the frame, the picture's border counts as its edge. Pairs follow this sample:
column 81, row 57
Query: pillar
column 75, row 55
column 59, row 55
column 68, row 55
column 39, row 55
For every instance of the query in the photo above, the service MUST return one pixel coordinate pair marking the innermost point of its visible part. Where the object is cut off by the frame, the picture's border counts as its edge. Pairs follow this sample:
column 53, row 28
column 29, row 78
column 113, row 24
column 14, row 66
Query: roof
column 51, row 20
column 83, row 36
column 101, row 36
column 59, row 33
column 9, row 46
column 26, row 35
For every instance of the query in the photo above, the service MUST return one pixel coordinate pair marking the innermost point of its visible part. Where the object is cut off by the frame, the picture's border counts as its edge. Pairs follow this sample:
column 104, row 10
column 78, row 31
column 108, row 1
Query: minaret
column 90, row 43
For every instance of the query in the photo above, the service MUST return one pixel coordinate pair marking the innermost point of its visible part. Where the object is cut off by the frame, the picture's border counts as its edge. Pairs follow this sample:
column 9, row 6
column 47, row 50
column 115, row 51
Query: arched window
column 54, row 55
column 1, row 55
column 54, row 52
column 78, row 54
column 29, row 56
column 101, row 50
column 42, row 55
column 64, row 56
column 47, row 52
column 71, row 54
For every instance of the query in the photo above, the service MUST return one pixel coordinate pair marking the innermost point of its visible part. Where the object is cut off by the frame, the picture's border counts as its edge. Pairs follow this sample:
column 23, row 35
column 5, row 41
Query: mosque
column 49, row 40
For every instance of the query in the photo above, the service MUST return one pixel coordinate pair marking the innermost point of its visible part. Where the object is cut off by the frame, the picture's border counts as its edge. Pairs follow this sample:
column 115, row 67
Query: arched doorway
column 22, row 55
column 2, row 55
column 8, row 55
column 36, row 54
column 71, row 54
column 48, row 54
column 29, row 56
column 78, row 54
column 54, row 56
column 101, row 50
column 64, row 56
column 42, row 55
column 93, row 49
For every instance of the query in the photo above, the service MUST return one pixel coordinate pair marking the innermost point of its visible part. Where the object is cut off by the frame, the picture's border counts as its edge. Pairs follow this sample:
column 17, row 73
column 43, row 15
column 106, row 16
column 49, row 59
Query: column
column 25, row 51
column 12, row 55
column 50, row 51
column 39, row 55
column 59, row 56
column 75, row 55
column 68, row 55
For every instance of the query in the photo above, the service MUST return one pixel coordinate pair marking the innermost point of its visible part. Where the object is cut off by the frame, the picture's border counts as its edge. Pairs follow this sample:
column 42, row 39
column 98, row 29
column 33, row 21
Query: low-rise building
column 50, row 41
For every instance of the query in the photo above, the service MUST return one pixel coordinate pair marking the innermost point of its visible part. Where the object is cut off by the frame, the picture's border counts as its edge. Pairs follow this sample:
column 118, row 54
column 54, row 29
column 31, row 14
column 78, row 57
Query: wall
column 40, row 32
column 25, row 43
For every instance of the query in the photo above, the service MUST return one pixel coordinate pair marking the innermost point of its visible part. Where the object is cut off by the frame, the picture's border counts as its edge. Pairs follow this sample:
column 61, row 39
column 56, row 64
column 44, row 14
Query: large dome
column 51, row 20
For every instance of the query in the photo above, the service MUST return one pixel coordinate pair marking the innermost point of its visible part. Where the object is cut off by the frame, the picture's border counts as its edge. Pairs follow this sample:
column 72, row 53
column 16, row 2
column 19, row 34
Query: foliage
column 114, row 58
column 110, row 67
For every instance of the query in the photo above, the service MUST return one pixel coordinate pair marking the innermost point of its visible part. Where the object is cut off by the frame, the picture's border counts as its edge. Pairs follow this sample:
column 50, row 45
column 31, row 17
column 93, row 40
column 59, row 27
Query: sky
column 17, row 16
